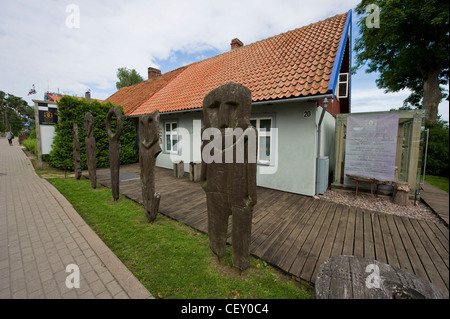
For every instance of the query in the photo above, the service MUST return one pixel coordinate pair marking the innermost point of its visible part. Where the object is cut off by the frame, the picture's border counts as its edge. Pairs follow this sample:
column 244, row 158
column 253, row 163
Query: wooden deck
column 437, row 199
column 298, row 233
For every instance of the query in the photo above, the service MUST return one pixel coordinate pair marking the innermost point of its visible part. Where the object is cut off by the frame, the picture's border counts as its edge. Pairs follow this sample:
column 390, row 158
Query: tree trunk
column 432, row 95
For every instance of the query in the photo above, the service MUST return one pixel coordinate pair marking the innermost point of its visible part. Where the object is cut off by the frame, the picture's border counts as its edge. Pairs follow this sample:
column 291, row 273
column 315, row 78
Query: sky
column 77, row 45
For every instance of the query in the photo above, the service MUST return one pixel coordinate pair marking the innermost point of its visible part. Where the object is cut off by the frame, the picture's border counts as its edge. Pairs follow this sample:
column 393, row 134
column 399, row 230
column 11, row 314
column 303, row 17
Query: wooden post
column 38, row 134
column 414, row 157
column 178, row 169
column 401, row 193
column 76, row 152
column 398, row 155
column 149, row 149
column 341, row 121
column 114, row 148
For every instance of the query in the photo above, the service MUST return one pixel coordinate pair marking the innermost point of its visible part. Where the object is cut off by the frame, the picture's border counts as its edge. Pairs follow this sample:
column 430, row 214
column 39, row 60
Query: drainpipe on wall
column 319, row 137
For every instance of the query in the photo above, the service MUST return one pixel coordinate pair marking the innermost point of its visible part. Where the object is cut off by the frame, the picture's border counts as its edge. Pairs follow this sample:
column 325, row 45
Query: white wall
column 295, row 163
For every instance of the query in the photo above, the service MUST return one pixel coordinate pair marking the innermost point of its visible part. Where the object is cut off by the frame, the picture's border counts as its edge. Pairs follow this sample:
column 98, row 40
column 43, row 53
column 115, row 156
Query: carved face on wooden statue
column 228, row 106
column 230, row 186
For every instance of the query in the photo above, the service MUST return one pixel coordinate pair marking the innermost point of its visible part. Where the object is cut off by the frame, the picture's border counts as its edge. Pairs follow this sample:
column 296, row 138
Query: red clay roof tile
column 131, row 97
column 292, row 64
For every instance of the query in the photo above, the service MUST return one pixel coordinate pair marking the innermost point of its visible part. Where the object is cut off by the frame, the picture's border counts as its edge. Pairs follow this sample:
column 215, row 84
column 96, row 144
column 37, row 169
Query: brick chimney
column 236, row 44
column 153, row 73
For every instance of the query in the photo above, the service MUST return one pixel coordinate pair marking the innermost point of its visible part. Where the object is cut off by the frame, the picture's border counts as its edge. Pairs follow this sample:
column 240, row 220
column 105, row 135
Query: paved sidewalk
column 41, row 234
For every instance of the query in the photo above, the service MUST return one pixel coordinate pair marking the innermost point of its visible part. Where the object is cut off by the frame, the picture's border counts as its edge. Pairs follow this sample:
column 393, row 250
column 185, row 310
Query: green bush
column 31, row 144
column 72, row 110
column 438, row 146
column 33, row 134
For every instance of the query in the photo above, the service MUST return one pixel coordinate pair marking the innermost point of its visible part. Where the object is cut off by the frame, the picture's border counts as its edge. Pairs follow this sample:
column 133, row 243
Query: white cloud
column 37, row 47
column 366, row 98
column 374, row 100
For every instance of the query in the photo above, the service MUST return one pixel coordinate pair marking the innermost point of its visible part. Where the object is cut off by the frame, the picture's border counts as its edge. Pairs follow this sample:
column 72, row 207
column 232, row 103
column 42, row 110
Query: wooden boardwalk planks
column 437, row 199
column 298, row 233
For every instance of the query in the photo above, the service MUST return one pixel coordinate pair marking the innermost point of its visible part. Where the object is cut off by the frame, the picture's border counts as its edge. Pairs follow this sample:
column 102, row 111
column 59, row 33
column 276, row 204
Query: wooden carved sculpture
column 76, row 152
column 114, row 148
column 230, row 185
column 90, row 149
column 149, row 149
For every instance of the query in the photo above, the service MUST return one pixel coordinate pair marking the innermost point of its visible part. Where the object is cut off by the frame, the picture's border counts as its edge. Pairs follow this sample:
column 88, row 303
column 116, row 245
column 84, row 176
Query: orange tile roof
column 131, row 97
column 293, row 64
column 56, row 97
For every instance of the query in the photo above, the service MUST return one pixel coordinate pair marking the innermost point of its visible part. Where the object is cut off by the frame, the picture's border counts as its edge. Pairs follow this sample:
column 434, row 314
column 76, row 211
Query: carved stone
column 355, row 277
column 149, row 149
column 230, row 186
column 91, row 158
column 76, row 152
column 114, row 148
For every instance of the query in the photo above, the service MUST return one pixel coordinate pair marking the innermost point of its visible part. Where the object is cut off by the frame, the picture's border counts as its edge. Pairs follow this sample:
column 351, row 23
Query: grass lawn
column 171, row 259
column 438, row 181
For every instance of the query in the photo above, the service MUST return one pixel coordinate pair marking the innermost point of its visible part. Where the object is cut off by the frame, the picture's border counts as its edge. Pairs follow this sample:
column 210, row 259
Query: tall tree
column 409, row 48
column 127, row 77
column 14, row 112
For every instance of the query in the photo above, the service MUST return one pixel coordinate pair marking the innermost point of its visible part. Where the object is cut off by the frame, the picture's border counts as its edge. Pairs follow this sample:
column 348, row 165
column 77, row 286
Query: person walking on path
column 9, row 136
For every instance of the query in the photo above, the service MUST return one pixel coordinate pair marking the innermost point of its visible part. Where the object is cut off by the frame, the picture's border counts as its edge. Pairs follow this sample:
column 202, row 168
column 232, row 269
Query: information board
column 371, row 145
column 48, row 117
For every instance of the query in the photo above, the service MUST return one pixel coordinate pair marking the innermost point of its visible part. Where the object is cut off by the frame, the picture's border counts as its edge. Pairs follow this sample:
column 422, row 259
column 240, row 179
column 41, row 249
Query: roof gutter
column 295, row 99
column 172, row 112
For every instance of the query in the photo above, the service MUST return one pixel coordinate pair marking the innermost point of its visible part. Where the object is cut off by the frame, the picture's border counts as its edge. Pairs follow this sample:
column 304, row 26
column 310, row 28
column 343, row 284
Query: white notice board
column 371, row 145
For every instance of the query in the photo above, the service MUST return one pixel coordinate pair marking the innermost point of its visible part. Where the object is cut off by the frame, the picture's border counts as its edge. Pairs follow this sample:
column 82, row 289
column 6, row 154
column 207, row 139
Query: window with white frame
column 265, row 138
column 343, row 85
column 171, row 137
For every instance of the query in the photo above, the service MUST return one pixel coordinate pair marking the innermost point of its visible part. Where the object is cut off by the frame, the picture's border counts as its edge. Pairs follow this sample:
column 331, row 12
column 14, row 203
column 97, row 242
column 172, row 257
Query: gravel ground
column 381, row 204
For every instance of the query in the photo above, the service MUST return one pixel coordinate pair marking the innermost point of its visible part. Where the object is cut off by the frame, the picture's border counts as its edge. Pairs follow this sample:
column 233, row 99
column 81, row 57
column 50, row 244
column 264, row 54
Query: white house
column 299, row 81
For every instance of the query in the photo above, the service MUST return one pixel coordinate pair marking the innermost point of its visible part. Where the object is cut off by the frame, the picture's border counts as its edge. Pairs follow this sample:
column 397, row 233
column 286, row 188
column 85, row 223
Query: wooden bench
column 351, row 277
column 368, row 180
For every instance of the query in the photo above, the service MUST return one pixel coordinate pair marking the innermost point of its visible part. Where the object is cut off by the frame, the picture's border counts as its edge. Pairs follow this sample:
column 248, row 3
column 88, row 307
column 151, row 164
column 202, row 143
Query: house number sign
column 307, row 114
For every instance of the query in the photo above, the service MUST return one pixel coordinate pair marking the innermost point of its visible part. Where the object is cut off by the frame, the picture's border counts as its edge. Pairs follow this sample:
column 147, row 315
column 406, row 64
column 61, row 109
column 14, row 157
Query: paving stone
column 41, row 233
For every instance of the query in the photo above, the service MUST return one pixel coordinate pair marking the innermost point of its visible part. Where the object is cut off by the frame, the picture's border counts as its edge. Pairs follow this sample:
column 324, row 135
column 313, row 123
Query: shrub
column 33, row 134
column 438, row 147
column 72, row 110
column 31, row 144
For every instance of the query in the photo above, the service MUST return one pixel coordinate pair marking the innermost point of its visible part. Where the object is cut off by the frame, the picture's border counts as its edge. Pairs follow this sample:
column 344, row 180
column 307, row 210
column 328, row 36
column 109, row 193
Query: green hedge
column 438, row 149
column 72, row 110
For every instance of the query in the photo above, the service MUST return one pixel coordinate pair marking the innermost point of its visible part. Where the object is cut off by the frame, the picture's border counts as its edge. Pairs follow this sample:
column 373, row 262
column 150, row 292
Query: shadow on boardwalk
column 298, row 233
